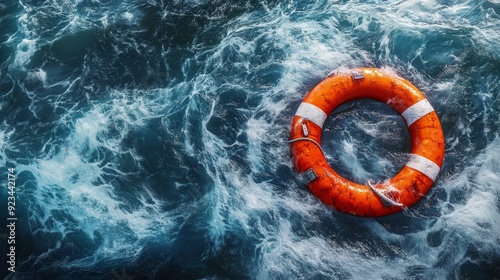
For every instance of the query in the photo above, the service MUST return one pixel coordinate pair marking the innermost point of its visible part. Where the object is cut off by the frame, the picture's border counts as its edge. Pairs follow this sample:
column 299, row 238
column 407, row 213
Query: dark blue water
column 150, row 138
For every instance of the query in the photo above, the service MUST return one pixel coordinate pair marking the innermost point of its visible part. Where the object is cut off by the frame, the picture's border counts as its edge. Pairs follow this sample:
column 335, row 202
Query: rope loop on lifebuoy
column 403, row 190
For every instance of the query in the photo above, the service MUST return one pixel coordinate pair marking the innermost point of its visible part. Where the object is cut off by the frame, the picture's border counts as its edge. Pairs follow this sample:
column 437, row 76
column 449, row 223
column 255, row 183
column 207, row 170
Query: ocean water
column 150, row 138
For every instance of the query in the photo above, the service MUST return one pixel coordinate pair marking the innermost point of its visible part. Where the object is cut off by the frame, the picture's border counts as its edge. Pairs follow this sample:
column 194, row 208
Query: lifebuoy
column 371, row 200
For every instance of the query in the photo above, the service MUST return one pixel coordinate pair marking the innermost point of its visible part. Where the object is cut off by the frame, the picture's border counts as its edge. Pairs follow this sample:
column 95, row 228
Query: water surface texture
column 150, row 138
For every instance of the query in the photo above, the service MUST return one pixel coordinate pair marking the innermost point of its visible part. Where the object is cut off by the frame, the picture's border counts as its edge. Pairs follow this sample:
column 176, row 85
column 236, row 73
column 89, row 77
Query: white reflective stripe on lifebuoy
column 424, row 165
column 416, row 111
column 312, row 113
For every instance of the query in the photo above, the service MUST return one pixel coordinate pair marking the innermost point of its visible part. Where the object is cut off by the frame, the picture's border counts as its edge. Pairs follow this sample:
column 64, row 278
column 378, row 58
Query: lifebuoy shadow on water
column 371, row 200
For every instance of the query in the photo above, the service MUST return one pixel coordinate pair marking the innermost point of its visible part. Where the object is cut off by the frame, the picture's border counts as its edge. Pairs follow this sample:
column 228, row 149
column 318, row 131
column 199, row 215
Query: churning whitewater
column 149, row 139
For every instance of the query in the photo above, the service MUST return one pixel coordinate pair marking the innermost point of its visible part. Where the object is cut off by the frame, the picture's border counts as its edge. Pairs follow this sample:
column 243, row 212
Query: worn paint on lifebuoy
column 410, row 184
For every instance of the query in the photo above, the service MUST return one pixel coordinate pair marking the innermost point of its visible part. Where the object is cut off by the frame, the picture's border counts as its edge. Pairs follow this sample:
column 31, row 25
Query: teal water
column 150, row 138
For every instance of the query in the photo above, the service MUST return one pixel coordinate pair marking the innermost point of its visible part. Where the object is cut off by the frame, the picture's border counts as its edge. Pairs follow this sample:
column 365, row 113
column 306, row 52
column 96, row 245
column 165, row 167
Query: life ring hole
column 366, row 140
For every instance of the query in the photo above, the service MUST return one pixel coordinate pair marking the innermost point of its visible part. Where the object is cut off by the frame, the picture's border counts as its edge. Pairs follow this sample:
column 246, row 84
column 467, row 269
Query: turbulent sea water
column 150, row 138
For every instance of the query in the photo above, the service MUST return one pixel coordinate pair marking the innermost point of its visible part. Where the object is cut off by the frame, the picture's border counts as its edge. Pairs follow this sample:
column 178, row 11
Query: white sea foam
column 481, row 181
column 5, row 134
column 76, row 173
column 25, row 50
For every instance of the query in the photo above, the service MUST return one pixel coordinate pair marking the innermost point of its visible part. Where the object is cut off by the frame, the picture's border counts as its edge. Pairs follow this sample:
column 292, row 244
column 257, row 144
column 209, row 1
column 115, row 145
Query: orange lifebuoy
column 371, row 200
